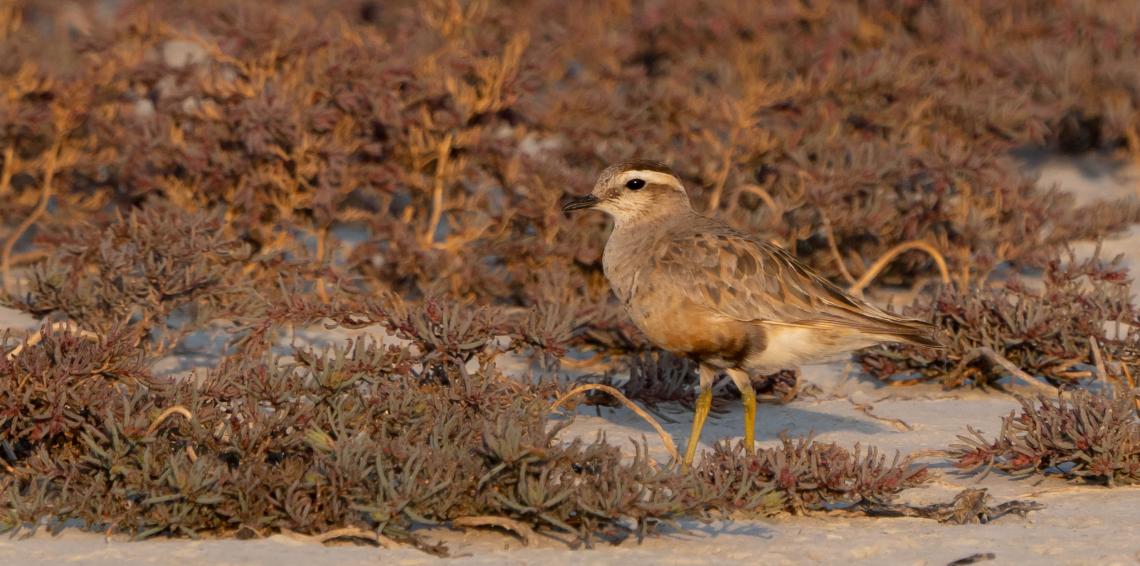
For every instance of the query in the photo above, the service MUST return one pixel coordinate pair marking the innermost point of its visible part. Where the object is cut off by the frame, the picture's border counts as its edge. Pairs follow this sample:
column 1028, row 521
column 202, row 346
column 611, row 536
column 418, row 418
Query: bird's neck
column 654, row 213
column 632, row 245
column 652, row 220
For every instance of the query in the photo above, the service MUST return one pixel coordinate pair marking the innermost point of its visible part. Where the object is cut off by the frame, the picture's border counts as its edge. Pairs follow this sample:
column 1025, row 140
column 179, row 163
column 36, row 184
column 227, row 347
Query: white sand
column 1080, row 524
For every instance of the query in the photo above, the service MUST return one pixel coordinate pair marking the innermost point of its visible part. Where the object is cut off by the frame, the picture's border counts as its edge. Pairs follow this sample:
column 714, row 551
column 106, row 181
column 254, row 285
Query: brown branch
column 437, row 190
column 38, row 336
column 9, row 166
column 322, row 244
column 1098, row 361
column 524, row 532
column 1131, row 383
column 964, row 251
column 877, row 267
column 929, row 453
column 869, row 410
column 759, row 192
column 345, row 532
column 175, row 410
column 726, row 165
column 41, row 207
column 595, row 360
column 666, row 439
column 1010, row 367
column 835, row 248
column 30, row 256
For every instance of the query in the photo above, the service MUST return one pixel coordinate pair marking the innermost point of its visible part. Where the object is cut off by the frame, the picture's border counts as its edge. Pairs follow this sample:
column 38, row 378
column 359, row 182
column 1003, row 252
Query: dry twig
column 1098, row 360
column 41, row 206
column 759, row 192
column 345, row 532
column 970, row 506
column 725, row 166
column 831, row 245
column 869, row 410
column 437, row 189
column 524, row 532
column 877, row 267
column 1131, row 383
column 666, row 438
column 9, row 166
column 175, row 410
column 38, row 336
column 1009, row 366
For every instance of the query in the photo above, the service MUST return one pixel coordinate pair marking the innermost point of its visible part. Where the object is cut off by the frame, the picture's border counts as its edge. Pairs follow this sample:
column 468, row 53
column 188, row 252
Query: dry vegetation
column 377, row 439
column 1087, row 437
column 1080, row 325
column 254, row 167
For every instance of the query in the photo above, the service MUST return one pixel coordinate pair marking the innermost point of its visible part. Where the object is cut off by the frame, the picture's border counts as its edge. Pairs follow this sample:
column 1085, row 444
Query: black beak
column 577, row 203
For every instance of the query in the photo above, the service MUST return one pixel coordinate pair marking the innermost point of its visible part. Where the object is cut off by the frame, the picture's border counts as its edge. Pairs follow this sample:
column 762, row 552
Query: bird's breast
column 673, row 322
column 622, row 265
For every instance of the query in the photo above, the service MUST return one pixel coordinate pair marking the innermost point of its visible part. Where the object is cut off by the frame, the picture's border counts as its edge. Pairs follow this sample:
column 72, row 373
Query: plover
column 733, row 302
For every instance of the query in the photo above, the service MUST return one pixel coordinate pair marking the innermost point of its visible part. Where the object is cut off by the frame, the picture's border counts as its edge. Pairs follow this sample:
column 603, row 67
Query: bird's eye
column 634, row 184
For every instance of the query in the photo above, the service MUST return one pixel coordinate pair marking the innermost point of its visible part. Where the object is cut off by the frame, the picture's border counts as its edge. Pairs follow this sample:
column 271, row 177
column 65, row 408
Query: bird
column 732, row 302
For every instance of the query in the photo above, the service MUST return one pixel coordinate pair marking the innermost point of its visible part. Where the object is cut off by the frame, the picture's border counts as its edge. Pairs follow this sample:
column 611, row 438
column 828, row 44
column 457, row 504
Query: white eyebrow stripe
column 651, row 177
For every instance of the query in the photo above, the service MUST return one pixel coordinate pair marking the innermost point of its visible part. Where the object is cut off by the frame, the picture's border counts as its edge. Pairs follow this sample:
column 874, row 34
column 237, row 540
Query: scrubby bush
column 1081, row 316
column 361, row 435
column 1085, row 437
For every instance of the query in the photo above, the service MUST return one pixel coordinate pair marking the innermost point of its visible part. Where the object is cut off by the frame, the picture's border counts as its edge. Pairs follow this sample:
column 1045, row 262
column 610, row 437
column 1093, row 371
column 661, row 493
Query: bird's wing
column 747, row 279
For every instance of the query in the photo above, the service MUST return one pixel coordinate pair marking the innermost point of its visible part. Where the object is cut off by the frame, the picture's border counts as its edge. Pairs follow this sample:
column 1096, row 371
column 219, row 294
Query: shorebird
column 698, row 288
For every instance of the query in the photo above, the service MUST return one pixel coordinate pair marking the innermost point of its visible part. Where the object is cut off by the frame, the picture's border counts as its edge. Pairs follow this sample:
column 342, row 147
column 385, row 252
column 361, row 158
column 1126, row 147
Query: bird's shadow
column 705, row 530
column 772, row 421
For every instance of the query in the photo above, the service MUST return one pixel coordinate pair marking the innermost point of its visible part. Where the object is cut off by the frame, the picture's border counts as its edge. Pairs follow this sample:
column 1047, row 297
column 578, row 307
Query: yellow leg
column 748, row 395
column 704, row 401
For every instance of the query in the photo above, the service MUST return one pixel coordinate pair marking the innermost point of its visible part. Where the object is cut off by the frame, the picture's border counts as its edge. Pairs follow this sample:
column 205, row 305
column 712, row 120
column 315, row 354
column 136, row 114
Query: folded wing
column 747, row 279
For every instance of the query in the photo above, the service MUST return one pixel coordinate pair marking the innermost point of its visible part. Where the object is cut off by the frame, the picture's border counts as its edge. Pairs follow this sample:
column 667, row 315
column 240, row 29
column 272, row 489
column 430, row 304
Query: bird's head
column 632, row 191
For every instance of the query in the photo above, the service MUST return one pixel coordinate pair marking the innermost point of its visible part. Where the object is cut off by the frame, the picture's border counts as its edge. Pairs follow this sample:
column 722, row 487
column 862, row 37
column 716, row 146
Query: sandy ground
column 1079, row 525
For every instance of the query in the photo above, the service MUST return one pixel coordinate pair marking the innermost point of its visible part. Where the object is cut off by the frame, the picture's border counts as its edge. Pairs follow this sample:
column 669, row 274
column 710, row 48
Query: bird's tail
column 912, row 331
